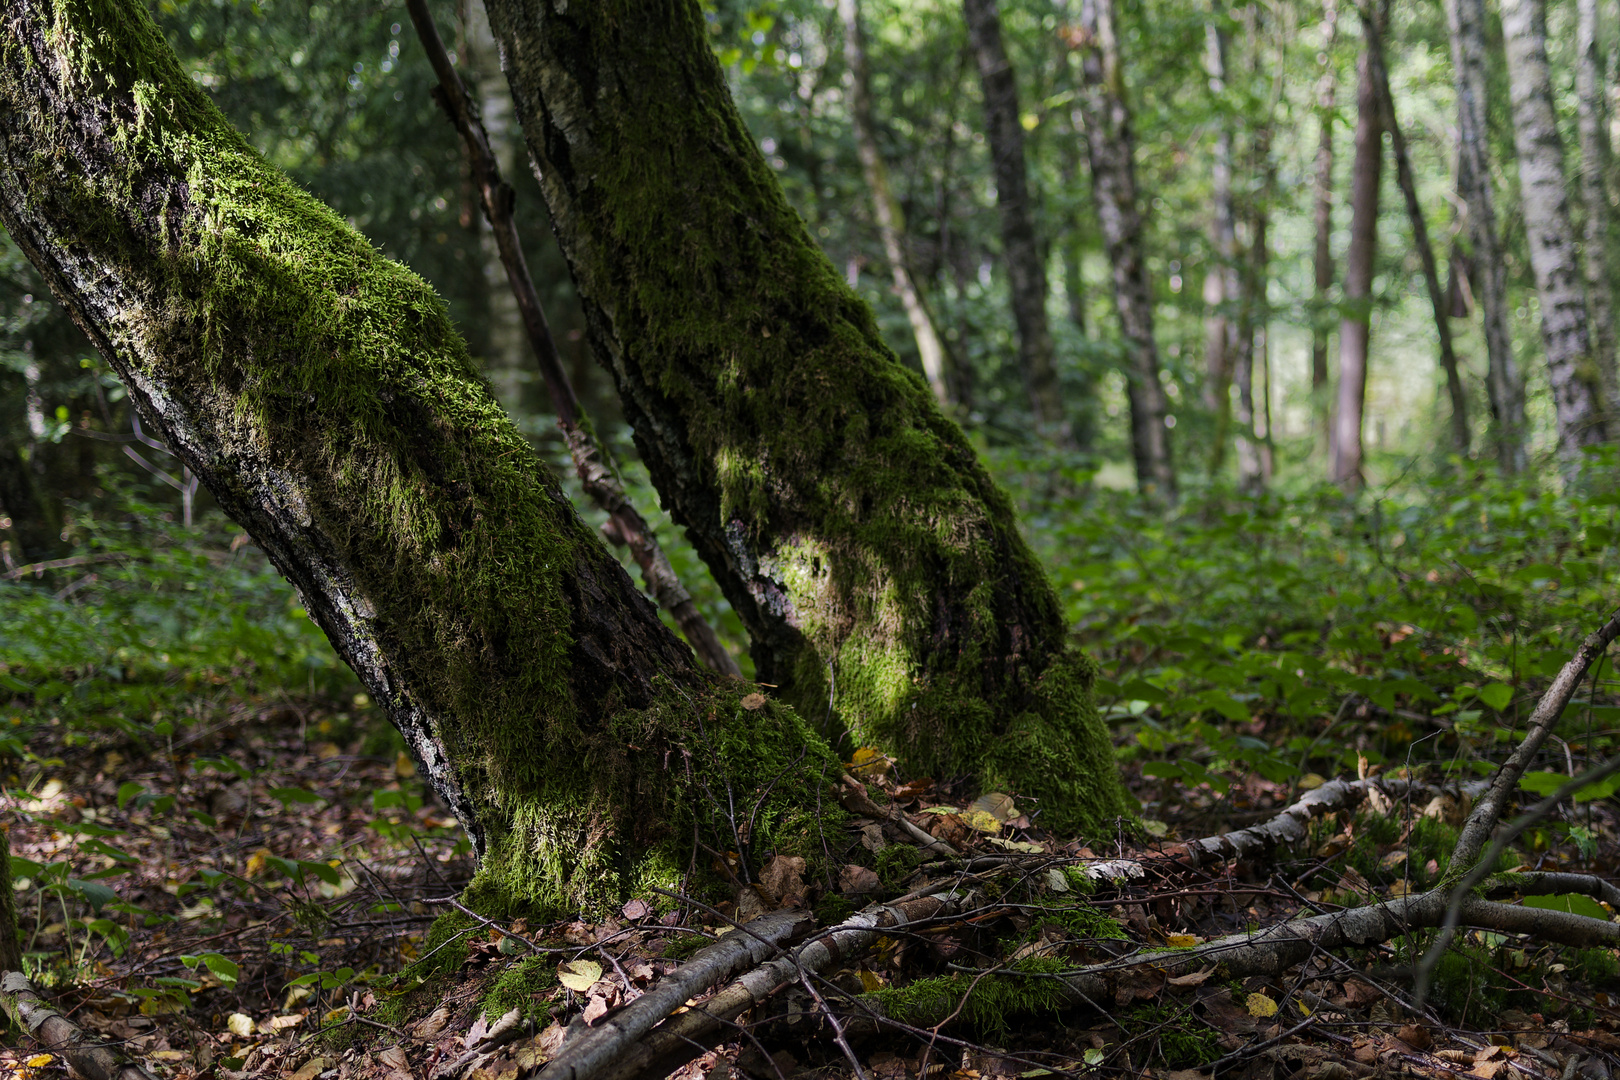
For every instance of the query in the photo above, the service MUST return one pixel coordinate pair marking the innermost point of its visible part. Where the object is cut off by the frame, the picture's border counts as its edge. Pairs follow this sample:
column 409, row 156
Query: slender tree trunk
column 508, row 362
column 1322, row 254
column 885, row 207
column 1467, row 24
column 1591, row 84
column 1572, row 367
column 1111, row 147
column 1253, row 442
column 1355, row 328
column 1221, row 285
column 1438, row 300
column 324, row 398
column 877, row 567
column 1020, row 247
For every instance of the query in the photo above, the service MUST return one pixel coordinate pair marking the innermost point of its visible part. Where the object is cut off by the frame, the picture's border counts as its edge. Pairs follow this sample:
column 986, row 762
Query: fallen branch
column 54, row 1033
column 38, row 569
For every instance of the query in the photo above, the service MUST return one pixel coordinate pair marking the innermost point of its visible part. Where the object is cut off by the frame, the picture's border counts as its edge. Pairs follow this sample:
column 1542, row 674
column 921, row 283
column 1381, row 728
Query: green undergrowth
column 1179, row 1043
column 517, row 987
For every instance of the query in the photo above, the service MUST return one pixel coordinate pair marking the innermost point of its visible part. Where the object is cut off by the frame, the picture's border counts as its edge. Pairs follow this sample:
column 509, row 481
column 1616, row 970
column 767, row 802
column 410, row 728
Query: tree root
column 52, row 1032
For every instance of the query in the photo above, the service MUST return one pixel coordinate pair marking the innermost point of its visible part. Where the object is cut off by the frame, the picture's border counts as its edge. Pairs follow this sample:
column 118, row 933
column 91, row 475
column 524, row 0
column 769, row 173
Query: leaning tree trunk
column 1572, row 367
column 885, row 207
column 1355, row 328
column 1020, row 248
column 1322, row 218
column 323, row 396
column 877, row 567
column 1592, row 114
column 1439, row 303
column 1466, row 19
column 1105, row 117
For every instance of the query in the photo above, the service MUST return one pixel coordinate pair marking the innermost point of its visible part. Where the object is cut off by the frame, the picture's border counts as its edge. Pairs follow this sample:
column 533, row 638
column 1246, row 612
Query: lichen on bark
column 322, row 394
column 877, row 567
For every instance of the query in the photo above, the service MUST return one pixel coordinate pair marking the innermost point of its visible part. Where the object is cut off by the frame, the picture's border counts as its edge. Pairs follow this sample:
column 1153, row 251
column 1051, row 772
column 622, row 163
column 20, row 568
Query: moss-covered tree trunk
column 877, row 567
column 321, row 393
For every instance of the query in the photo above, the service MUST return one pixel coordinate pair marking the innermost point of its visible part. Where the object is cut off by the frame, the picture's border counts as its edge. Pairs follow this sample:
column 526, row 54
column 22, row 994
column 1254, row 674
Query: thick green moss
column 1026, row 988
column 516, row 988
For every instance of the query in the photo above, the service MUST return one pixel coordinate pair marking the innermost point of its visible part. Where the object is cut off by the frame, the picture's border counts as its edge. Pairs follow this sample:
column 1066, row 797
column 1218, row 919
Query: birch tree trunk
column 1355, row 327
column 878, row 569
column 885, row 207
column 322, row 395
column 1572, row 366
column 1105, row 117
column 1438, row 301
column 1592, row 115
column 1322, row 219
column 1020, row 248
column 1466, row 20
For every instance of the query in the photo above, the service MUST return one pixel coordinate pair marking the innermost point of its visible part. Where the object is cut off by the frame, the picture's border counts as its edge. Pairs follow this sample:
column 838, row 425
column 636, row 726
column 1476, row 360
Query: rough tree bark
column 320, row 392
column 1104, row 115
column 1592, row 116
column 1466, row 19
column 1438, row 301
column 1355, row 327
column 1020, row 247
column 885, row 207
column 877, row 567
column 1572, row 367
column 1327, row 91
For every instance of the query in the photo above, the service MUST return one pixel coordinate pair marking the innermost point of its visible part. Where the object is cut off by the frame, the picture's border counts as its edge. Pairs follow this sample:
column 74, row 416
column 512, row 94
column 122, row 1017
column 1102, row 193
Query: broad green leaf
column 1574, row 903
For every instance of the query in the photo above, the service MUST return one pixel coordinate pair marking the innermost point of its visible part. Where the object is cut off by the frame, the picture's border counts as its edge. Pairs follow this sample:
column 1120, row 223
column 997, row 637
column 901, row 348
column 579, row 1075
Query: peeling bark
column 1592, row 125
column 1572, row 366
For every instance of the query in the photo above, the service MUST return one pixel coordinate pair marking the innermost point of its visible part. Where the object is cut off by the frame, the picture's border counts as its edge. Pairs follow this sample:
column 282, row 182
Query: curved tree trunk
column 885, row 207
column 1105, row 116
column 1020, row 247
column 1355, row 328
column 877, row 567
column 1572, row 366
column 320, row 392
column 1466, row 19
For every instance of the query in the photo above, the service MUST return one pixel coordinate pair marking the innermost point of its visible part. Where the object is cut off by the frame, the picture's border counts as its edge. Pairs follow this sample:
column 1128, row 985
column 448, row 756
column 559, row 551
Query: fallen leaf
column 869, row 761
column 39, row 1061
column 1017, row 845
column 783, row 878
column 754, row 702
column 1182, row 941
column 1393, row 859
column 1416, row 1036
column 858, row 879
column 871, row 981
column 579, row 975
column 997, row 805
column 430, row 1026
column 394, row 1058
column 1261, row 1006
column 981, row 821
column 1057, row 880
column 239, row 1024
column 311, row 1069
column 1197, row 978
column 595, row 1009
column 636, row 909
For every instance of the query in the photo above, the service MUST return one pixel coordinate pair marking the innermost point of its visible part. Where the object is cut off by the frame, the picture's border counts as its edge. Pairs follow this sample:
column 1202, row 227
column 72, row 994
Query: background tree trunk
column 1020, row 247
column 1355, row 328
column 1438, row 300
column 1105, row 117
column 322, row 395
column 1466, row 19
column 1322, row 253
column 1572, row 367
column 878, row 569
column 885, row 207
column 1221, row 285
column 1592, row 115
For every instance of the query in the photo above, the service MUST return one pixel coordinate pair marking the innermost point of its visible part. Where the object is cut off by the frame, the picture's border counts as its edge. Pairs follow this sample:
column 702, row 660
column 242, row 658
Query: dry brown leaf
column 858, row 879
column 783, row 879
column 1197, row 978
column 754, row 702
column 1416, row 1036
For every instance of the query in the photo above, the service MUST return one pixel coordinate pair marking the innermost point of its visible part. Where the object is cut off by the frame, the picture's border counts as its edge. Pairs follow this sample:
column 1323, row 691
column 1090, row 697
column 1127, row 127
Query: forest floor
column 245, row 903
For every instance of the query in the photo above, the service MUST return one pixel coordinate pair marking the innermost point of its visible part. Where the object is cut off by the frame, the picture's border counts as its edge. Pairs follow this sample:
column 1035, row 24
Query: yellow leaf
column 579, row 975
column 1182, row 941
column 997, row 805
column 754, row 702
column 869, row 761
column 871, row 982
column 404, row 767
column 240, row 1025
column 39, row 1061
column 1155, row 828
column 1260, row 1006
column 1311, row 781
column 982, row 821
column 169, row 1055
